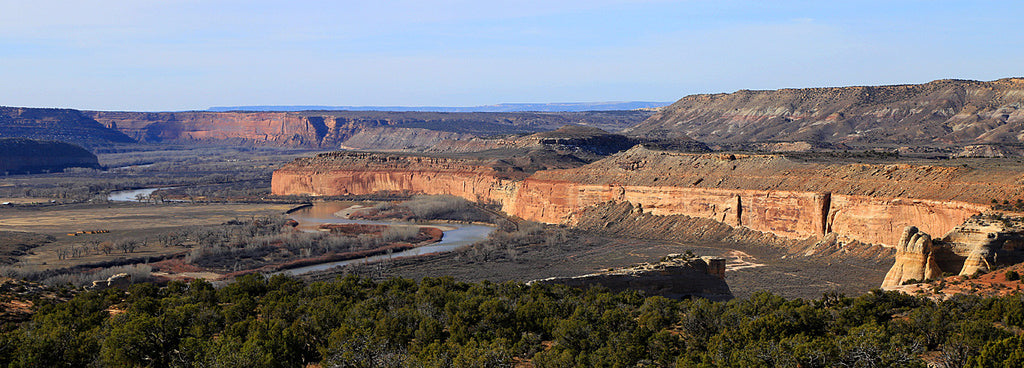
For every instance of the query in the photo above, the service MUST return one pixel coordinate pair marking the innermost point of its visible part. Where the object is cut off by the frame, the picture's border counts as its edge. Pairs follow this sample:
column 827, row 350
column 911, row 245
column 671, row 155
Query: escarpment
column 337, row 129
column 61, row 125
column 952, row 112
column 344, row 173
column 767, row 193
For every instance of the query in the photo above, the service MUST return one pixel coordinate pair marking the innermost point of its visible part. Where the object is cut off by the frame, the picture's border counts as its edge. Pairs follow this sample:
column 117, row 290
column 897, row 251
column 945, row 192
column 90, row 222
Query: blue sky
column 190, row 54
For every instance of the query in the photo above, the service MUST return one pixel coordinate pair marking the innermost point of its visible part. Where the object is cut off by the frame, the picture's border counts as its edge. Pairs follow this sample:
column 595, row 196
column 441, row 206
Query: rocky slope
column 586, row 143
column 20, row 156
column 953, row 112
column 63, row 125
column 869, row 203
column 387, row 138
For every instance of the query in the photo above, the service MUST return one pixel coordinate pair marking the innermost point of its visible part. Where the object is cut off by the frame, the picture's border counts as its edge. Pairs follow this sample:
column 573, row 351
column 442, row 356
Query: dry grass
column 127, row 216
column 123, row 220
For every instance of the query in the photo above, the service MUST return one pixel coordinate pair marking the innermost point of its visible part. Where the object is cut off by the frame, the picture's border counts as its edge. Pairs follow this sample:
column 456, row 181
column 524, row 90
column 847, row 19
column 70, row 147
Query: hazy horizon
column 191, row 55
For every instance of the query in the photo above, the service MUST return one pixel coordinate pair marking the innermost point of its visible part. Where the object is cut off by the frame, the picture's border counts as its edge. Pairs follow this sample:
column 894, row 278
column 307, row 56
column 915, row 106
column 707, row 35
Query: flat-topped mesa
column 870, row 203
column 347, row 160
column 934, row 113
column 771, row 193
column 771, row 172
column 345, row 173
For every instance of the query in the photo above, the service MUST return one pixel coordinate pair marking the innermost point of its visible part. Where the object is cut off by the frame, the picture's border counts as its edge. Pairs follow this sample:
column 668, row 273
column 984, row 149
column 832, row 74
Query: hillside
column 19, row 156
column 942, row 112
column 65, row 125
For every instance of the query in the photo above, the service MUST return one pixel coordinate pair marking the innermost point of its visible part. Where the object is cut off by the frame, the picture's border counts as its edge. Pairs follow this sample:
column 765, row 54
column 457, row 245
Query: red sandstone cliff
column 267, row 128
column 868, row 203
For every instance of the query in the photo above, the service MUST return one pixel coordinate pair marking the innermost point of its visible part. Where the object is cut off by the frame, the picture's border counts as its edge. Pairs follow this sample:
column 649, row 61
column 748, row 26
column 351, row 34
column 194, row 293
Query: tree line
column 437, row 322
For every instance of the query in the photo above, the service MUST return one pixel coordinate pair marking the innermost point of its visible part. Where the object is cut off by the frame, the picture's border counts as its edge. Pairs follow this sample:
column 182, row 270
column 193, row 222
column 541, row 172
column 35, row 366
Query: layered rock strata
column 914, row 259
column 677, row 276
column 938, row 112
column 335, row 129
column 764, row 193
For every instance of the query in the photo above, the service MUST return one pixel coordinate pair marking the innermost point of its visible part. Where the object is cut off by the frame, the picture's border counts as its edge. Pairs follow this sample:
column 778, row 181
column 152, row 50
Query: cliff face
column 752, row 192
column 19, row 156
column 274, row 128
column 943, row 111
column 343, row 173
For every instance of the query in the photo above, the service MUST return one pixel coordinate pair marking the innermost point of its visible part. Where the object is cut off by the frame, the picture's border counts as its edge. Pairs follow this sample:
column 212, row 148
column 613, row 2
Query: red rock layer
column 555, row 196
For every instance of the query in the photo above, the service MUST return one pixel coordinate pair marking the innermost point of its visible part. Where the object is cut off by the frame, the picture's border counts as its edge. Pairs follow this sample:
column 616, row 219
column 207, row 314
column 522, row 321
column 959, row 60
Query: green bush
column 1012, row 275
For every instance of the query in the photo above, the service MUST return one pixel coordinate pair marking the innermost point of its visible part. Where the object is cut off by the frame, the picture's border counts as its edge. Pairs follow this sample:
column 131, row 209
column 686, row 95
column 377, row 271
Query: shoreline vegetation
column 259, row 244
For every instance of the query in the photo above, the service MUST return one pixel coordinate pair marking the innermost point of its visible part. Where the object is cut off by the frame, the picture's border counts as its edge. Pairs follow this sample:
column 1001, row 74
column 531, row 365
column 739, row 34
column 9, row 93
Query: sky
column 172, row 55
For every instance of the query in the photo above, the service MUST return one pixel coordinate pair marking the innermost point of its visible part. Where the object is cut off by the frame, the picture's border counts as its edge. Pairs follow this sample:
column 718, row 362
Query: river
column 132, row 194
column 455, row 235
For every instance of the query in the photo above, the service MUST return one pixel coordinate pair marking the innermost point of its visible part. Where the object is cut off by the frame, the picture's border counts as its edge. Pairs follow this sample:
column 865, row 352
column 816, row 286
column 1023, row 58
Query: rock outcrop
column 914, row 259
column 20, row 156
column 978, row 245
column 676, row 276
column 938, row 112
column 120, row 280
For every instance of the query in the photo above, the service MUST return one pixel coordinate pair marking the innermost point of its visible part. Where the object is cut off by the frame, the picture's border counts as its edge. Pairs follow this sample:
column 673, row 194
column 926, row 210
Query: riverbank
column 455, row 235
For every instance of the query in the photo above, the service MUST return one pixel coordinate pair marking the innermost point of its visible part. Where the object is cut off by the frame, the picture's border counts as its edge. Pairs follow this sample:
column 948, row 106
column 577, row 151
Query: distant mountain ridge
column 942, row 112
column 503, row 107
column 62, row 125
column 307, row 129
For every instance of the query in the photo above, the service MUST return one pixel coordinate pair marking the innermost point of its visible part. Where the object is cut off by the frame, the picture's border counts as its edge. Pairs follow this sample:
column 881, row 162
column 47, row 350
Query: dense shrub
column 283, row 322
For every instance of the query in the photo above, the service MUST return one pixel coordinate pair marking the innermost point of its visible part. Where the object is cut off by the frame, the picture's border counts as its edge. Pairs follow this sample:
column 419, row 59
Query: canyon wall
column 555, row 196
column 337, row 129
column 265, row 128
